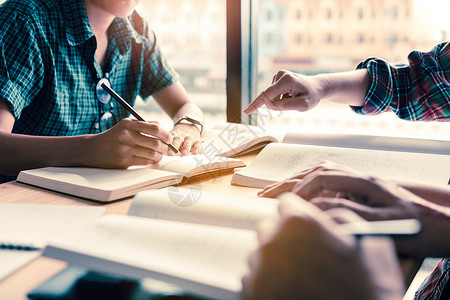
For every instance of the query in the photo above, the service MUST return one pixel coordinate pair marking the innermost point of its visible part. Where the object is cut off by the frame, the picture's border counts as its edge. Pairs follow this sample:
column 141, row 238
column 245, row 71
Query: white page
column 96, row 183
column 369, row 142
column 12, row 260
column 196, row 164
column 205, row 260
column 35, row 224
column 280, row 161
column 229, row 139
column 202, row 207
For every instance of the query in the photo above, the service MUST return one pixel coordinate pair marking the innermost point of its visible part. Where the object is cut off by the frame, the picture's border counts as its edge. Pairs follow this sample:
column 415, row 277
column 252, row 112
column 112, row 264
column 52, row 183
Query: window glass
column 192, row 34
column 320, row 36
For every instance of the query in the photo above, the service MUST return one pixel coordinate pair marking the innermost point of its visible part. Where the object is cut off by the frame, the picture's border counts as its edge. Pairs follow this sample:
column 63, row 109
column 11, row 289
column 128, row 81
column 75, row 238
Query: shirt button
column 97, row 125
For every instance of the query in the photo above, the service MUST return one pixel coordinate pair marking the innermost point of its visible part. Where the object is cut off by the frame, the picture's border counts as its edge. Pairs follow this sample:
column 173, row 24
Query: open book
column 113, row 184
column 280, row 161
column 231, row 139
column 201, row 245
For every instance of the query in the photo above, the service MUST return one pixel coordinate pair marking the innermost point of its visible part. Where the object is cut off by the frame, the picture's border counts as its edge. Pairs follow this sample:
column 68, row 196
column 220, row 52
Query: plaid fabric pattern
column 49, row 73
column 418, row 91
column 437, row 285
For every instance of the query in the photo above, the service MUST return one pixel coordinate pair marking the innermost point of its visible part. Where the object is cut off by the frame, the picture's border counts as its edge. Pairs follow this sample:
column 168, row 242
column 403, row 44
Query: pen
column 388, row 227
column 132, row 111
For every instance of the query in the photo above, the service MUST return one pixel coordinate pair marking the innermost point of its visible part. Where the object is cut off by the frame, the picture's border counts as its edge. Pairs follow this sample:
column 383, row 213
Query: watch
column 191, row 120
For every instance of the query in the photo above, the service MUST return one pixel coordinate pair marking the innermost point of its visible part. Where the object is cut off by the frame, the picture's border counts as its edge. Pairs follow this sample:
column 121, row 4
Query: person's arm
column 330, row 185
column 291, row 91
column 306, row 257
column 376, row 199
column 418, row 91
column 176, row 103
column 434, row 193
column 122, row 146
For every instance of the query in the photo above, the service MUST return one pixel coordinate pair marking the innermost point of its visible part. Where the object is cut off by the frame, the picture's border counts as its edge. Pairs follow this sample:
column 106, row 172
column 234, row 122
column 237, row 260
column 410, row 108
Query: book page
column 205, row 260
column 96, row 183
column 201, row 207
column 13, row 260
column 192, row 165
column 371, row 142
column 34, row 225
column 280, row 161
column 232, row 139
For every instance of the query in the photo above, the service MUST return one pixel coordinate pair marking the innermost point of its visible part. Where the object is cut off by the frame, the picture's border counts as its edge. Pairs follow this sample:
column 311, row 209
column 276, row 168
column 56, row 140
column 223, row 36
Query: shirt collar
column 122, row 31
column 78, row 28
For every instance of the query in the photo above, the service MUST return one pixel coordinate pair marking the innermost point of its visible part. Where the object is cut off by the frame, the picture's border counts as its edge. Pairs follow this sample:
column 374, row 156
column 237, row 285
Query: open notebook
column 201, row 247
column 231, row 139
column 113, row 184
column 279, row 161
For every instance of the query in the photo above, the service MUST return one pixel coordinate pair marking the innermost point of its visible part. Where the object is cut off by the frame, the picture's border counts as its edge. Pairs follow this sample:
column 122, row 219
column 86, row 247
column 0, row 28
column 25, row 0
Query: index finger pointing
column 280, row 87
column 257, row 103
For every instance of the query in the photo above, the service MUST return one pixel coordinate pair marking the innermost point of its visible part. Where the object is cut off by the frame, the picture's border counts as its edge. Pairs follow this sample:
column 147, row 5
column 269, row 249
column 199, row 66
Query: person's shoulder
column 28, row 9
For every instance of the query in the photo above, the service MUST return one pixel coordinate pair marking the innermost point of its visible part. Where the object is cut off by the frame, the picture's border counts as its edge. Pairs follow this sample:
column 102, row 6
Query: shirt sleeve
column 21, row 67
column 157, row 72
column 418, row 91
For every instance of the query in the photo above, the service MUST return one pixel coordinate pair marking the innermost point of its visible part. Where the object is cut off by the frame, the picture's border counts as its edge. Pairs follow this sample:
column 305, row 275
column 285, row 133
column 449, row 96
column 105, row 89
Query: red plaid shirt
column 437, row 285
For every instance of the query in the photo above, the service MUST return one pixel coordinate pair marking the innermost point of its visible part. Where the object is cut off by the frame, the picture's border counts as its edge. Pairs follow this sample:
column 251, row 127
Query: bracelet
column 191, row 120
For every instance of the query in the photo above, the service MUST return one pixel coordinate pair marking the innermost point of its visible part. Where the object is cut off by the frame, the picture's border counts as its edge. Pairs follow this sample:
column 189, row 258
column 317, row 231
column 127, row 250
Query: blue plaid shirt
column 49, row 72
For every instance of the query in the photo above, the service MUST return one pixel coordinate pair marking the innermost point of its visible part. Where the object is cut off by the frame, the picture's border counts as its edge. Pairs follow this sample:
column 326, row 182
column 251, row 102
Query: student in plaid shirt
column 53, row 112
column 418, row 91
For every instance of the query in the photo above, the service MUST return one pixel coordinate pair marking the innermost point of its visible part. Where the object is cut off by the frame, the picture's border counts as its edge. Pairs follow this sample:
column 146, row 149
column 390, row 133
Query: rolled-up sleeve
column 21, row 66
column 418, row 91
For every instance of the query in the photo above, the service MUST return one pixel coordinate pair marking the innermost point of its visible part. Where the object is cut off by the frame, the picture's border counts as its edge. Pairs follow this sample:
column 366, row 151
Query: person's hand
column 128, row 143
column 291, row 183
column 289, row 91
column 307, row 257
column 187, row 139
column 330, row 186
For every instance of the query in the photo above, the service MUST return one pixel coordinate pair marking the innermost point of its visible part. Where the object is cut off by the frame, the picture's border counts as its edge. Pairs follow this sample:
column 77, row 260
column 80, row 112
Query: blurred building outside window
column 320, row 36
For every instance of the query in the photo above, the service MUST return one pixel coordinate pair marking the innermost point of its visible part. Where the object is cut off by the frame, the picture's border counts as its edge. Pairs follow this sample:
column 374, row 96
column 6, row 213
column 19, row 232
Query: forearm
column 19, row 152
column 348, row 88
column 188, row 108
column 434, row 193
column 175, row 101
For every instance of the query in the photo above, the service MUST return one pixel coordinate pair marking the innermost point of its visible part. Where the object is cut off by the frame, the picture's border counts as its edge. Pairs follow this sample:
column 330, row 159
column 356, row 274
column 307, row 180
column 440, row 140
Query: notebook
column 113, row 184
column 201, row 245
column 279, row 161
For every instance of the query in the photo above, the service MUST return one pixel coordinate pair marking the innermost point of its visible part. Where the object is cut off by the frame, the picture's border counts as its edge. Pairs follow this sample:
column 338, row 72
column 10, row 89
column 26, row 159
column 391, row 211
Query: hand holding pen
column 131, row 110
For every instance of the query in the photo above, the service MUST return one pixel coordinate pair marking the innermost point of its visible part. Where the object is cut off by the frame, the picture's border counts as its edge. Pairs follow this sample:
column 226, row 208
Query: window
column 389, row 29
column 192, row 35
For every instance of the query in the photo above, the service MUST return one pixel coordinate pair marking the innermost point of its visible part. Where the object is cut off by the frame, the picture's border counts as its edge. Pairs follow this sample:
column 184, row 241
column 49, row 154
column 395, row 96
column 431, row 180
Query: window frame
column 241, row 81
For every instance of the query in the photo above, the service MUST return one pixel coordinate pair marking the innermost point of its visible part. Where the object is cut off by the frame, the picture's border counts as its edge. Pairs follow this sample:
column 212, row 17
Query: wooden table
column 16, row 286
